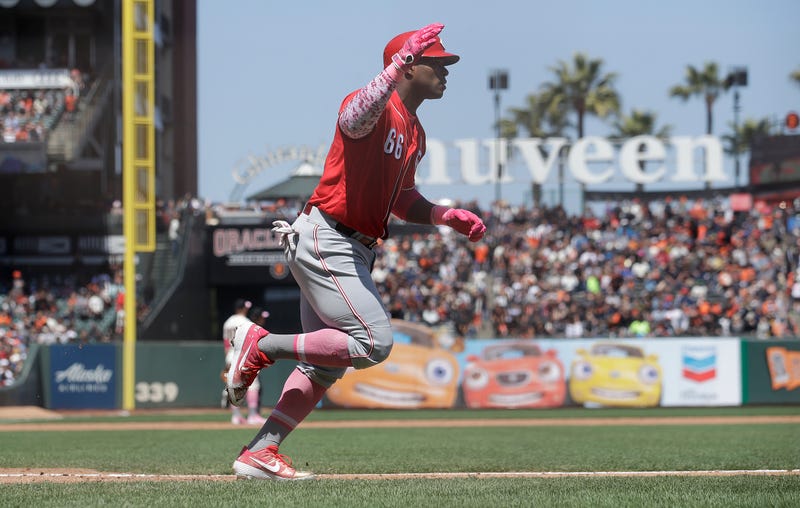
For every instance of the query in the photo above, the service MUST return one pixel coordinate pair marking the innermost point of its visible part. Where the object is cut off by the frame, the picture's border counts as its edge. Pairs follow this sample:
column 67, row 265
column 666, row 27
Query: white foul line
column 561, row 474
column 406, row 476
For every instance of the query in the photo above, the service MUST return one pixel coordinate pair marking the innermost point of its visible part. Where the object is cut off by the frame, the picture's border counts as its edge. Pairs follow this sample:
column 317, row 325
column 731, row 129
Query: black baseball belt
column 368, row 241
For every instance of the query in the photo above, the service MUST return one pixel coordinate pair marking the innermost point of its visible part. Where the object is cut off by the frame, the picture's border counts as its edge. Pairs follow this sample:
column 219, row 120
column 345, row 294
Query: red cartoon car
column 514, row 375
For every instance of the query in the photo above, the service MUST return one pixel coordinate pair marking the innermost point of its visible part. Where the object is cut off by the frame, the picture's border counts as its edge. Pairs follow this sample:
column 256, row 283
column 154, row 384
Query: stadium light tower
column 498, row 80
column 736, row 77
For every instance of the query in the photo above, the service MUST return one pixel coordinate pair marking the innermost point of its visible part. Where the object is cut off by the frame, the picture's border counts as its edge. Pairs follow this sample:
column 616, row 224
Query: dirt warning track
column 447, row 423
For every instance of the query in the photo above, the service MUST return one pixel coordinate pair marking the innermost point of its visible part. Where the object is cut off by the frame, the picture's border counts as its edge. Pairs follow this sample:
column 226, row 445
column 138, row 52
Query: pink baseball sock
column 299, row 397
column 252, row 401
column 326, row 347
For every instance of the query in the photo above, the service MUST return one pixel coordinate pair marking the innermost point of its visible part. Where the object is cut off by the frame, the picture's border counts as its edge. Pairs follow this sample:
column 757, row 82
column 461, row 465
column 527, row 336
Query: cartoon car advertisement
column 514, row 375
column 615, row 375
column 414, row 376
column 431, row 368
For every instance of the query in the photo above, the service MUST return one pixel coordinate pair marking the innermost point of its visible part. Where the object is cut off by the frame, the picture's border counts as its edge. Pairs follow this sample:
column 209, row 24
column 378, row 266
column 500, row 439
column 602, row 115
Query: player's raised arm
column 361, row 113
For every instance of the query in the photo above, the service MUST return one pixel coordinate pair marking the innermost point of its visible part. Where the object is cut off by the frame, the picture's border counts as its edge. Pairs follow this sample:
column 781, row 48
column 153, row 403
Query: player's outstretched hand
column 419, row 41
column 465, row 222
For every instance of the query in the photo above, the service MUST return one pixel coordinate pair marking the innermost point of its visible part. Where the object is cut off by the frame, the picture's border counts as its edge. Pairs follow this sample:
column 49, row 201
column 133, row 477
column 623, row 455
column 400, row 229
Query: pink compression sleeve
column 360, row 115
column 405, row 199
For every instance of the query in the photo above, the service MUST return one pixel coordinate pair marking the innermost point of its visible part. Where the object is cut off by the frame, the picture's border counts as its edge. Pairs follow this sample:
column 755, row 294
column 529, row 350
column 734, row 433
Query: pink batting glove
column 419, row 41
column 463, row 221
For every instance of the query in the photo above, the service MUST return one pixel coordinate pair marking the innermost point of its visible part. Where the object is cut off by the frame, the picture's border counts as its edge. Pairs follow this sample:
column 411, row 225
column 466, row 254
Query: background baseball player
column 240, row 310
column 259, row 316
column 368, row 175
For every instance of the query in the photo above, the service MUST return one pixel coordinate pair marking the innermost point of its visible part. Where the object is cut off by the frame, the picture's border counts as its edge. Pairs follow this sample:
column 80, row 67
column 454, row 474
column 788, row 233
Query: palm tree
column 583, row 88
column 705, row 83
column 539, row 122
column 742, row 137
column 795, row 76
column 537, row 119
column 639, row 123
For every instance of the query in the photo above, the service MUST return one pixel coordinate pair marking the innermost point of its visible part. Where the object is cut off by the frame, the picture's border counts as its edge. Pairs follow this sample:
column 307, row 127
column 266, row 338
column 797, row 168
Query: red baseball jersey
column 362, row 177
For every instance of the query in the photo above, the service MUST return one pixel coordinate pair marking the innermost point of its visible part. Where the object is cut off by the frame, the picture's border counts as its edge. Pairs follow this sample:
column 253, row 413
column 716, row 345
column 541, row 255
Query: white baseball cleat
column 256, row 420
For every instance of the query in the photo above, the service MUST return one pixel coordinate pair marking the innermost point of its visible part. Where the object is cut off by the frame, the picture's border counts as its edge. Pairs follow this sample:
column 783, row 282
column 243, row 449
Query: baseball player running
column 368, row 175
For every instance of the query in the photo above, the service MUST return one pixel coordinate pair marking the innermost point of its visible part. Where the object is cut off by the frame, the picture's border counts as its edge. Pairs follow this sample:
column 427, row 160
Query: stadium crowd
column 667, row 268
column 673, row 267
column 56, row 310
column 28, row 114
column 676, row 267
column 67, row 308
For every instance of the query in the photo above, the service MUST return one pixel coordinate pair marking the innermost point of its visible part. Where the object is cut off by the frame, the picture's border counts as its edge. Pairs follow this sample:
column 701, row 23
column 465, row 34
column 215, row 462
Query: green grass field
column 407, row 449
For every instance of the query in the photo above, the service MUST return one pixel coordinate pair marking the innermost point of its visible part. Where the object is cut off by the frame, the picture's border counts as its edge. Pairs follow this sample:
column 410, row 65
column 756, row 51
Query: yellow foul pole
column 138, row 165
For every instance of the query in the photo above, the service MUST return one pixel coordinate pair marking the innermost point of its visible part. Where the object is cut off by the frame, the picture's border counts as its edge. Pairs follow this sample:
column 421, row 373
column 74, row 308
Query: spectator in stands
column 640, row 326
column 13, row 353
column 174, row 234
column 79, row 84
column 70, row 103
column 575, row 329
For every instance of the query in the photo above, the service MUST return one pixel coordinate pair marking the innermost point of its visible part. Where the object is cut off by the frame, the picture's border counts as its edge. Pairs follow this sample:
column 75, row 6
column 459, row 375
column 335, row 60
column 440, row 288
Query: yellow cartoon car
column 417, row 375
column 615, row 375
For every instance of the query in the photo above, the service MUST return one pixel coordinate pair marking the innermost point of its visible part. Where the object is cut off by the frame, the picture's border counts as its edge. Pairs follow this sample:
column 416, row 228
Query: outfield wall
column 492, row 373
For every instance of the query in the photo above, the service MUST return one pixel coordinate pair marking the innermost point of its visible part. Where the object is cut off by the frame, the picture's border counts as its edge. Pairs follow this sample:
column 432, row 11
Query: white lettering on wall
column 712, row 149
column 494, row 147
column 531, row 151
column 470, row 172
column 639, row 150
column 590, row 160
column 78, row 373
column 591, row 149
column 231, row 240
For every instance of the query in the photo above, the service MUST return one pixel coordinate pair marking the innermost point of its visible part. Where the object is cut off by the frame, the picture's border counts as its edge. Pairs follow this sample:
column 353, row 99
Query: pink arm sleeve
column 360, row 115
column 405, row 199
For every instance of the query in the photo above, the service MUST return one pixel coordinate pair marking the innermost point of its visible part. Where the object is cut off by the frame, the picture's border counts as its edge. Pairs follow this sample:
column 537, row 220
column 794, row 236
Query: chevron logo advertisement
column 699, row 363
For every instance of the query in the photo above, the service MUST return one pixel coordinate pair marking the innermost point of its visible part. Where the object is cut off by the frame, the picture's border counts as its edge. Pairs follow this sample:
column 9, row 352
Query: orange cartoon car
column 419, row 375
column 514, row 375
